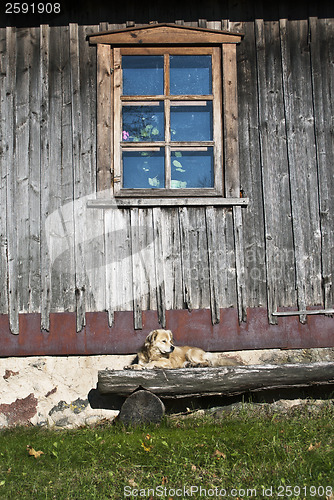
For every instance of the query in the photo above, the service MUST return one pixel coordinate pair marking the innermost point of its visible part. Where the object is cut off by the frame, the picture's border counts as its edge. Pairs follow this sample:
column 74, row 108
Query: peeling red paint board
column 20, row 411
column 193, row 328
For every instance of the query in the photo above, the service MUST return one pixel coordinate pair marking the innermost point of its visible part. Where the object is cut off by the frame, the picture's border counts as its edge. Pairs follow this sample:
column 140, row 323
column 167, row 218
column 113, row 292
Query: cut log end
column 142, row 407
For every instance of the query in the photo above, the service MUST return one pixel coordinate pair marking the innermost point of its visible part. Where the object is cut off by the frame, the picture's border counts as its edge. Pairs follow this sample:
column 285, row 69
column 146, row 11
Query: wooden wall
column 58, row 255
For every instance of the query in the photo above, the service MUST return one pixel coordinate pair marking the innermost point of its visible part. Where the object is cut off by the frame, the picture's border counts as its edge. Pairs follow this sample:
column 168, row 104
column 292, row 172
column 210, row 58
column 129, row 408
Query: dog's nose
column 172, row 348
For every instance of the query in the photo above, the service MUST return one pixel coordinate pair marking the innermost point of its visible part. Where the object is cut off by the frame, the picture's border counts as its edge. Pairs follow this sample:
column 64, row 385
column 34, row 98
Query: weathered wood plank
column 214, row 25
column 3, row 176
column 34, row 266
column 159, row 262
column 232, row 169
column 104, row 118
column 65, row 173
column 110, row 265
column 143, row 261
column 230, row 106
column 167, row 202
column 45, row 172
column 322, row 51
column 119, row 291
column 212, row 236
column 250, row 170
column 225, row 24
column 198, row 258
column 59, row 223
column 267, row 186
column 92, row 223
column 207, row 381
column 21, row 133
column 148, row 253
column 137, row 275
column 10, row 158
column 104, row 26
column 94, row 257
column 172, row 261
column 55, row 185
column 240, row 264
column 226, row 258
column 79, row 179
column 88, row 89
column 300, row 256
column 278, row 236
column 297, row 90
column 185, row 257
column 307, row 312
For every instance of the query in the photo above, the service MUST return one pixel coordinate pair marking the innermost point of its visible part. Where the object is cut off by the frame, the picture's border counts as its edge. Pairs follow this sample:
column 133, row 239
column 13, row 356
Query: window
column 168, row 121
column 167, row 114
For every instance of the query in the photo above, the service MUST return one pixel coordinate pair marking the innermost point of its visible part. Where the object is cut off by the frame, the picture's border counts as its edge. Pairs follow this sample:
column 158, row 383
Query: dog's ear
column 146, row 349
column 170, row 335
column 151, row 337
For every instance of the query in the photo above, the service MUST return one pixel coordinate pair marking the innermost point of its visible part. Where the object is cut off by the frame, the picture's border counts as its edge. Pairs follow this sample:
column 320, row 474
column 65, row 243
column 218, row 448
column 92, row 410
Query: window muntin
column 171, row 139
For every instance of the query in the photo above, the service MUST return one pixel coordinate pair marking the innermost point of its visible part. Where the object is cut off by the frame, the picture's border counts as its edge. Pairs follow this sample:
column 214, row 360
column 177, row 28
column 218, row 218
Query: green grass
column 238, row 454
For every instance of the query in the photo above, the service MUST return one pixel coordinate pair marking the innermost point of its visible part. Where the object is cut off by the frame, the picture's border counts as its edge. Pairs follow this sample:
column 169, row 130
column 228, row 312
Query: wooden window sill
column 105, row 203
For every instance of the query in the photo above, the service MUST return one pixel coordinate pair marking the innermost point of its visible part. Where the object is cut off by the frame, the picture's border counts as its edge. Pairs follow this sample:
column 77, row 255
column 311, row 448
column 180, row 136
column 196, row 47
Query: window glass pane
column 191, row 123
column 144, row 169
column 192, row 169
column 143, row 123
column 143, row 75
column 190, row 75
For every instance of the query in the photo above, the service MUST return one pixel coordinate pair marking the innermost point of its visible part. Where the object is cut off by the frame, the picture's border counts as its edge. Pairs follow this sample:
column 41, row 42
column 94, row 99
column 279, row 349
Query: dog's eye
column 164, row 341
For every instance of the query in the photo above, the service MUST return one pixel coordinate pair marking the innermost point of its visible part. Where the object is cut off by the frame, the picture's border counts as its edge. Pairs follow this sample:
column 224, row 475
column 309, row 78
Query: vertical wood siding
column 321, row 39
column 3, row 177
column 58, row 255
column 278, row 230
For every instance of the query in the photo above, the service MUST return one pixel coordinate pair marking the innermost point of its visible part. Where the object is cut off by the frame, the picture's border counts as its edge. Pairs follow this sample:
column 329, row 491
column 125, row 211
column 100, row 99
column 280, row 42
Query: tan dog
column 159, row 352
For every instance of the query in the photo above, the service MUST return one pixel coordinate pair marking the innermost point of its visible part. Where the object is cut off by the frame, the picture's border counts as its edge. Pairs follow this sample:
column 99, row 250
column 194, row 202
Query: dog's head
column 159, row 343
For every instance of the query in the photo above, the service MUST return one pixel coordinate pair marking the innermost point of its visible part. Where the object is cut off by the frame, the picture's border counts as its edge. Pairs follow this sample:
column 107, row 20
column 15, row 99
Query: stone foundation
column 61, row 391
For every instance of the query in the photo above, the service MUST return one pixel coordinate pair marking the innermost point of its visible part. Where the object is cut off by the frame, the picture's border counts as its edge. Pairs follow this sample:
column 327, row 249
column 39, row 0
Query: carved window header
column 117, row 150
column 165, row 34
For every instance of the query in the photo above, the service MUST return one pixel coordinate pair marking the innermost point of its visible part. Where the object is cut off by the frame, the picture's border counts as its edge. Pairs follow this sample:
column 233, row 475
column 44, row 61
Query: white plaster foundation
column 54, row 391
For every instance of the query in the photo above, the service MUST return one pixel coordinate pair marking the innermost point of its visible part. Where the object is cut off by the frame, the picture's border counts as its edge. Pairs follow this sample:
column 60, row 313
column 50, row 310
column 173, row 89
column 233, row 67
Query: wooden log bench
column 144, row 388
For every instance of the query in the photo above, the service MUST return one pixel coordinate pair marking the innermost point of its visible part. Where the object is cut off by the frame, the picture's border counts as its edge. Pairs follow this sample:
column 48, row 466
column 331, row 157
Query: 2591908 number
column 303, row 491
column 32, row 8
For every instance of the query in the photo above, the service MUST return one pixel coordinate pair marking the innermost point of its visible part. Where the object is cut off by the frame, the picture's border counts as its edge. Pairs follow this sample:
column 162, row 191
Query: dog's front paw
column 133, row 367
column 189, row 364
column 192, row 364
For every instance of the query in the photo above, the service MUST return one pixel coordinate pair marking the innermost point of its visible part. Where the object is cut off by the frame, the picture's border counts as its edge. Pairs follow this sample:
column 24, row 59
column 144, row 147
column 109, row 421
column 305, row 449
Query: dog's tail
column 221, row 359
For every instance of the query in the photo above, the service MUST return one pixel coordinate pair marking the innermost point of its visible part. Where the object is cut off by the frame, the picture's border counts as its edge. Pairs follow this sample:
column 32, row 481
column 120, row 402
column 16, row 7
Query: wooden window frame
column 216, row 141
column 174, row 38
